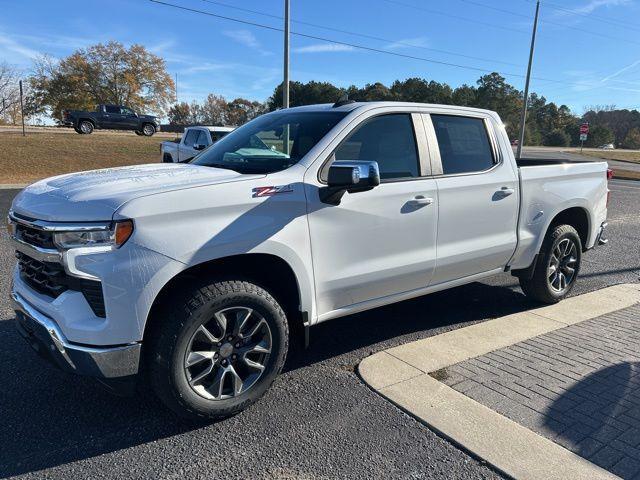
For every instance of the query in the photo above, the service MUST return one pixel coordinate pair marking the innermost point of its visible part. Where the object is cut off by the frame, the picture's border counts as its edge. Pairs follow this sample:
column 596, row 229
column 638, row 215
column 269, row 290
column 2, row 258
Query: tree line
column 133, row 76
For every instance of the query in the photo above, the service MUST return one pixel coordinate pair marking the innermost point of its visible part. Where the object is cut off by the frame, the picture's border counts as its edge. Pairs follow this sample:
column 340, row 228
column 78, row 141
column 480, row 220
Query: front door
column 478, row 198
column 381, row 242
column 185, row 147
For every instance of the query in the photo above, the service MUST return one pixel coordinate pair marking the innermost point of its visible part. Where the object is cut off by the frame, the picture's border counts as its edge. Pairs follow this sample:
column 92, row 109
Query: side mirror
column 349, row 176
column 199, row 146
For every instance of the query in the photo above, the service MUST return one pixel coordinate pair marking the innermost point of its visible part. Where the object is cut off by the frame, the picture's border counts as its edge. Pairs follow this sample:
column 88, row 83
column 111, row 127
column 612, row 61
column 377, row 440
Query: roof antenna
column 343, row 100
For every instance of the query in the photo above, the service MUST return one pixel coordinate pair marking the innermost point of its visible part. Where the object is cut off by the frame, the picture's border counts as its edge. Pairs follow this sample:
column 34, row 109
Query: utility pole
column 285, row 84
column 22, row 109
column 523, row 119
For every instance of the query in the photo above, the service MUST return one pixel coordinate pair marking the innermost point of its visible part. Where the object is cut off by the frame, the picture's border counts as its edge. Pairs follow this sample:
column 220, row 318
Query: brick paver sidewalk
column 578, row 386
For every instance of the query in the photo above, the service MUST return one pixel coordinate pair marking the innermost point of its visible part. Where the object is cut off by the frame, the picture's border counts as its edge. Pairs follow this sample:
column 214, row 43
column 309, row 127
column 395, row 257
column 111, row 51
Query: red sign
column 584, row 128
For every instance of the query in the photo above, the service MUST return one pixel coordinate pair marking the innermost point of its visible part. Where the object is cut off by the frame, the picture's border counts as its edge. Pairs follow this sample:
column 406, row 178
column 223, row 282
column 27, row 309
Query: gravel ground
column 318, row 421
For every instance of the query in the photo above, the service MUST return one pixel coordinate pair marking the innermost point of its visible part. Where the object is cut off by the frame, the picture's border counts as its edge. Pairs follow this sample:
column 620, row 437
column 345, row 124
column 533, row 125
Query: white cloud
column 248, row 39
column 323, row 47
column 14, row 51
column 419, row 42
column 243, row 37
column 595, row 4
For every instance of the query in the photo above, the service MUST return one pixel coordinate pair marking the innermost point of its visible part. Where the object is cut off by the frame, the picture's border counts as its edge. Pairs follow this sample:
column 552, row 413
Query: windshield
column 261, row 145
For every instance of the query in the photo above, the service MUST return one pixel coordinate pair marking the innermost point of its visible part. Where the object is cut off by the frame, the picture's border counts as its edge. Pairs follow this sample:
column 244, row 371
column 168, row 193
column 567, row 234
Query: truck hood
column 95, row 195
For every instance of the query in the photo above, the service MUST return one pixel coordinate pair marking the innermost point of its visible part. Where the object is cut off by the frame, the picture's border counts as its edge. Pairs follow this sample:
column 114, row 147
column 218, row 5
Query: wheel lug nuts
column 219, row 344
column 229, row 338
column 238, row 345
column 234, row 356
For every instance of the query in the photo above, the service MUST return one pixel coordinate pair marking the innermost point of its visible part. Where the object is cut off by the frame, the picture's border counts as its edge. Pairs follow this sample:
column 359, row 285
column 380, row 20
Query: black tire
column 540, row 287
column 170, row 340
column 167, row 158
column 137, row 132
column 77, row 130
column 148, row 130
column 86, row 127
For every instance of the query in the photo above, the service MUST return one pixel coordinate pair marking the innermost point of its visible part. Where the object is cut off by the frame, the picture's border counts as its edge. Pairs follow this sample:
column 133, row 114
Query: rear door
column 111, row 117
column 478, row 196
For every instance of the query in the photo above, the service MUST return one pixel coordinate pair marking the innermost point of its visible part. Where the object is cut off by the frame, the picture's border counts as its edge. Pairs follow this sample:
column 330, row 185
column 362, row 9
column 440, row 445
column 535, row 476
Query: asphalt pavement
column 318, row 421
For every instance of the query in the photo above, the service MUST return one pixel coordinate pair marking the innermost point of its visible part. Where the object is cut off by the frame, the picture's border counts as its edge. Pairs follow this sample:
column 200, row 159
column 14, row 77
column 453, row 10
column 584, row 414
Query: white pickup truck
column 198, row 274
column 192, row 142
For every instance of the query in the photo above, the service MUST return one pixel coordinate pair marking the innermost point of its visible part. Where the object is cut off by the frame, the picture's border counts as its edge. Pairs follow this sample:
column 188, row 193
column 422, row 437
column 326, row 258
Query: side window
column 126, row 111
column 191, row 137
column 203, row 138
column 388, row 140
column 464, row 144
column 112, row 109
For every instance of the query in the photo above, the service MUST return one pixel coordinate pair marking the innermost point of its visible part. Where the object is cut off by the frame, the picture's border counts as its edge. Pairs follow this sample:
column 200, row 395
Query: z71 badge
column 270, row 191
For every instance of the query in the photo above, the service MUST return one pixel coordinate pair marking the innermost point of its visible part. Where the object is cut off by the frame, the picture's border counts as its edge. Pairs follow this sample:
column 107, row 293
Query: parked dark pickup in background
column 114, row 117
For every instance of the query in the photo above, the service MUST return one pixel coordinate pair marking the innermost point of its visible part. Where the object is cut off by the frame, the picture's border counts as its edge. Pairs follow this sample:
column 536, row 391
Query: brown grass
column 626, row 174
column 632, row 156
column 42, row 154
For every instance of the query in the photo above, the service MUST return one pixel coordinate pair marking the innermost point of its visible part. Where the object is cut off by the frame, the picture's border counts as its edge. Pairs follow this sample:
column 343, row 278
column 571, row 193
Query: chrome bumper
column 46, row 338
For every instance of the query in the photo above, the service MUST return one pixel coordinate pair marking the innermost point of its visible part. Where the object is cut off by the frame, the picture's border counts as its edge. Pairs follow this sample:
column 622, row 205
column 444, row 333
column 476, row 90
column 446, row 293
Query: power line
column 591, row 16
column 361, row 35
column 457, row 17
column 366, row 48
column 547, row 22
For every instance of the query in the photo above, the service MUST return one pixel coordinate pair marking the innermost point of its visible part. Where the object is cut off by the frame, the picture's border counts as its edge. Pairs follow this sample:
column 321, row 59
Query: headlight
column 116, row 235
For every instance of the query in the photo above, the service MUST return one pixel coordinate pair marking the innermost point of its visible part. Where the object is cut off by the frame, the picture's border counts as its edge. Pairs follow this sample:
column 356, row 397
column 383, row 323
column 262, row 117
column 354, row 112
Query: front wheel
column 218, row 351
column 148, row 130
column 557, row 266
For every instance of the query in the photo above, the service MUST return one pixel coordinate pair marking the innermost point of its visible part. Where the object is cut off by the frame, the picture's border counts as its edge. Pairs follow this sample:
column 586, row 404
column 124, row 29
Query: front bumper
column 108, row 364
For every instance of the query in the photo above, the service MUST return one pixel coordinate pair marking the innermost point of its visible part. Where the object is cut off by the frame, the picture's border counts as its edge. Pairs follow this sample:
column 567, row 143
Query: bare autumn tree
column 9, row 93
column 103, row 73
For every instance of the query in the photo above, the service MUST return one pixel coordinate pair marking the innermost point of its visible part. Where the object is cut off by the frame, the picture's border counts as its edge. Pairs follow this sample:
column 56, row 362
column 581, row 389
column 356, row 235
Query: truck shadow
column 51, row 419
column 600, row 416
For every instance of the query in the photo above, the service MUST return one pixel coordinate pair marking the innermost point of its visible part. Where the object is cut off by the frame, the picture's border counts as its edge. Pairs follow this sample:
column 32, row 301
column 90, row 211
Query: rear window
column 112, row 109
column 464, row 144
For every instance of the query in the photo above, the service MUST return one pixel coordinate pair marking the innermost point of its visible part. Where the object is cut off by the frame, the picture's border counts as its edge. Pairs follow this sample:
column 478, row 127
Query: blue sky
column 592, row 58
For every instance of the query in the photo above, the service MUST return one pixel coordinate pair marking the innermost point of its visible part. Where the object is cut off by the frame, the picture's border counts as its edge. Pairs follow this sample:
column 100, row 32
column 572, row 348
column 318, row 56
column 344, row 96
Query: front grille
column 46, row 278
column 33, row 236
column 51, row 279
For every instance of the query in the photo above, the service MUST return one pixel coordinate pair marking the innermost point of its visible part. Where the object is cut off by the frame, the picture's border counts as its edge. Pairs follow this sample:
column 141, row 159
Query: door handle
column 505, row 191
column 421, row 200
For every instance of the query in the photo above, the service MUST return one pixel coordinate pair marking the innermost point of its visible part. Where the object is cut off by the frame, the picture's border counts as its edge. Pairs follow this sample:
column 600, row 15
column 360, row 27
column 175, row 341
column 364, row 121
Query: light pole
column 523, row 119
column 285, row 85
column 22, row 109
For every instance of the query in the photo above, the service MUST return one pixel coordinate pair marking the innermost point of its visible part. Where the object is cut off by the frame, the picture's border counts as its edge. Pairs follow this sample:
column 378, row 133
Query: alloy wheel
column 562, row 265
column 228, row 354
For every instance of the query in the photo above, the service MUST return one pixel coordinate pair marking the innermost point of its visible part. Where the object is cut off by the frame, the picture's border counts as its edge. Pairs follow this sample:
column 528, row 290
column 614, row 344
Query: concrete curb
column 12, row 186
column 401, row 374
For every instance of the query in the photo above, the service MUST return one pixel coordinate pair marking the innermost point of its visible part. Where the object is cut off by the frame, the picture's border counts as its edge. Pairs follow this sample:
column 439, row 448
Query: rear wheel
column 85, row 127
column 557, row 266
column 218, row 351
column 138, row 132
